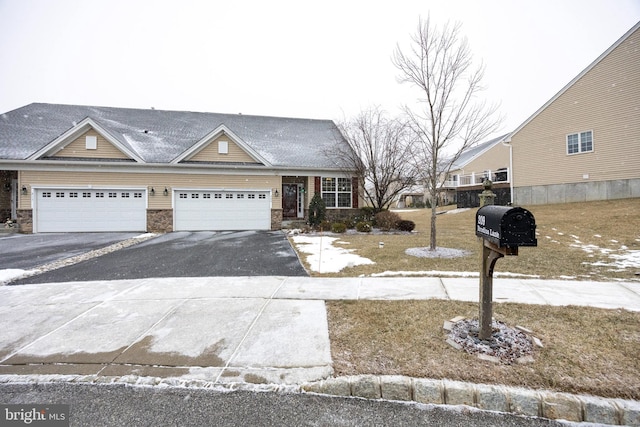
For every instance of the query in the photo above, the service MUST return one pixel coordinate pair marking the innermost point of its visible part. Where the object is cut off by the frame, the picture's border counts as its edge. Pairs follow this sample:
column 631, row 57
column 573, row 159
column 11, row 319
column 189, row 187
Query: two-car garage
column 104, row 210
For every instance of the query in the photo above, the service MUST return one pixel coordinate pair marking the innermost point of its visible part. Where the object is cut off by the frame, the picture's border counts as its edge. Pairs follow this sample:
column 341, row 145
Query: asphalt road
column 187, row 254
column 120, row 405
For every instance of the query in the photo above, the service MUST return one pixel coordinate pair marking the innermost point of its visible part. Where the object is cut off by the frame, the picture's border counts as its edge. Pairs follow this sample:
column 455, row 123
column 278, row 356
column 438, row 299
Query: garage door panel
column 222, row 210
column 59, row 210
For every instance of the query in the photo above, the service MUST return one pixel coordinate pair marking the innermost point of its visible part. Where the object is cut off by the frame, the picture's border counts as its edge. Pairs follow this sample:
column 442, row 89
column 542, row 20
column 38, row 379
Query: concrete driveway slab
column 23, row 324
column 288, row 334
column 61, row 293
column 98, row 335
column 203, row 332
column 204, row 287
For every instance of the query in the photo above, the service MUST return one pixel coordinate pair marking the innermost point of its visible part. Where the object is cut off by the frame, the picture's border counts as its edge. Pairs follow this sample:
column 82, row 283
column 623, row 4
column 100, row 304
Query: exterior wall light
column 24, row 190
column 166, row 191
column 153, row 191
column 277, row 194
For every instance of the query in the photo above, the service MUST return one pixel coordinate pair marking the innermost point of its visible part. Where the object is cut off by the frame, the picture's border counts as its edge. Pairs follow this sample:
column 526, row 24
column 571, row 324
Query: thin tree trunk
column 432, row 240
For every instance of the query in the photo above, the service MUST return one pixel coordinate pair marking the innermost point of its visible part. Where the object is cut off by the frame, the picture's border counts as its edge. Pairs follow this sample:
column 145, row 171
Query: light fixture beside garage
column 166, row 191
column 153, row 191
column 276, row 193
column 24, row 190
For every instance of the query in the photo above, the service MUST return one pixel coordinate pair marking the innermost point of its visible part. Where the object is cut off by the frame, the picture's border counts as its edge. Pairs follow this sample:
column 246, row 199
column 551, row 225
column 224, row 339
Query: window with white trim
column 336, row 192
column 581, row 142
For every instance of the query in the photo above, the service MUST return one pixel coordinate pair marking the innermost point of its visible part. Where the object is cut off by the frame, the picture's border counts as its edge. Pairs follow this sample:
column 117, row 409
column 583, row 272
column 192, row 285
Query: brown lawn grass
column 586, row 350
column 562, row 230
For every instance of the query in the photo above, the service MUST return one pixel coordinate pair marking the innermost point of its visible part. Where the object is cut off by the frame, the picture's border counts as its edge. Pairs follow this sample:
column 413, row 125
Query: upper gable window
column 91, row 142
column 223, row 147
column 580, row 142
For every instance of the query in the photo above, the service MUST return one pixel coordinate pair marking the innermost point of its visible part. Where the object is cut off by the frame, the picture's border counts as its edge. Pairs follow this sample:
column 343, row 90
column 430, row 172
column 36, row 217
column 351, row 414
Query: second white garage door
column 222, row 210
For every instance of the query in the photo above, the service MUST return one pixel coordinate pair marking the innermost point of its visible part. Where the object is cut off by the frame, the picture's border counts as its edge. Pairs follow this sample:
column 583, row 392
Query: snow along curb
column 520, row 401
column 547, row 404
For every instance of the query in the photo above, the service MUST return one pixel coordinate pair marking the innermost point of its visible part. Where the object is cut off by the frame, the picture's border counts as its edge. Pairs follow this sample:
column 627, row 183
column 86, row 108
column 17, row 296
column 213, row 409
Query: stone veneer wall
column 276, row 219
column 159, row 220
column 25, row 220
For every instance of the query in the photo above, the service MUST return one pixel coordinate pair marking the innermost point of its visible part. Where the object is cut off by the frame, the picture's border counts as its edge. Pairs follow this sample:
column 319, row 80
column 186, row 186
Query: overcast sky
column 326, row 59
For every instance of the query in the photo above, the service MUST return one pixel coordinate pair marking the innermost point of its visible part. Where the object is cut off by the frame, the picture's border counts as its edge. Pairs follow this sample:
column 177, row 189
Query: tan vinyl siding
column 497, row 157
column 147, row 180
column 606, row 101
column 77, row 148
column 210, row 153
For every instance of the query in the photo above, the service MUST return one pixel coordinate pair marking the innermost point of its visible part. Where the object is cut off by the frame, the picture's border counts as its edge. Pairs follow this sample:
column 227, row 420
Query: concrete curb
column 547, row 404
column 519, row 401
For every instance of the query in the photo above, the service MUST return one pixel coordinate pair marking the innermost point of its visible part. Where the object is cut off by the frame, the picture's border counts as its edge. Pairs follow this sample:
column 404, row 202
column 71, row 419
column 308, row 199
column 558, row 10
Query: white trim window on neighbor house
column 581, row 142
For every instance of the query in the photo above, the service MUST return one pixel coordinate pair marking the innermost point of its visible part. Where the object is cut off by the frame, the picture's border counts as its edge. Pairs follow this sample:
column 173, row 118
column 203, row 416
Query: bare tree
column 379, row 152
column 448, row 118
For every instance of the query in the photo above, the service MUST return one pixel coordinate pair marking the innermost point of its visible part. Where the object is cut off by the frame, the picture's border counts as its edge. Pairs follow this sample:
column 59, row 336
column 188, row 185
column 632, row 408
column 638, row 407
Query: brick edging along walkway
column 577, row 408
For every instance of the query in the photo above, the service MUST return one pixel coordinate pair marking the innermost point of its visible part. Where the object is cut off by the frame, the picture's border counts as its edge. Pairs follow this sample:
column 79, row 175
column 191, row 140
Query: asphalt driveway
column 184, row 254
column 27, row 251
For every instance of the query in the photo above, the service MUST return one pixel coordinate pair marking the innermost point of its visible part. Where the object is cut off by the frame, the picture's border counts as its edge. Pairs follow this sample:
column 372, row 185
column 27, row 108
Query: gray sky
column 324, row 60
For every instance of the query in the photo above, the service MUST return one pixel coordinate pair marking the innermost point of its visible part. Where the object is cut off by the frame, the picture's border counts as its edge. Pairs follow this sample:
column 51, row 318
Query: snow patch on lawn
column 323, row 257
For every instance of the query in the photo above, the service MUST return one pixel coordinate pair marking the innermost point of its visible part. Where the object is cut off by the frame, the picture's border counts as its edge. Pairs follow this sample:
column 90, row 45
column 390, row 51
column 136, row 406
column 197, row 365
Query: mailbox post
column 503, row 229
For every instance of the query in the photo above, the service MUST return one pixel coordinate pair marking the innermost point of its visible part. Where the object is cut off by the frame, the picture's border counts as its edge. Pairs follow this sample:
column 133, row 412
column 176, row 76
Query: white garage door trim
column 68, row 209
column 218, row 210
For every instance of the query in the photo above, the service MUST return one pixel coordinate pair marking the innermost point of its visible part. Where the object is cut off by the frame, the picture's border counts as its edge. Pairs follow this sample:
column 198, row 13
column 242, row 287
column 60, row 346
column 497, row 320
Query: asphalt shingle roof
column 283, row 142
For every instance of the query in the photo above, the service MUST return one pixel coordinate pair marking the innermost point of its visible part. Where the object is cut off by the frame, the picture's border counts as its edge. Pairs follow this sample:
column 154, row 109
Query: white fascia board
column 222, row 129
column 75, row 132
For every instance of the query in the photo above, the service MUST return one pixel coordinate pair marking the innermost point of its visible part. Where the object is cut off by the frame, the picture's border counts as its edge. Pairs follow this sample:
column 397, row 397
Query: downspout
column 507, row 142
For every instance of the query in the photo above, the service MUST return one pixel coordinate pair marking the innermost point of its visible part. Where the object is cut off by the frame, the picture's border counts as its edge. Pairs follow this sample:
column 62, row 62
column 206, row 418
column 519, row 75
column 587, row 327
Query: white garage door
column 62, row 210
column 222, row 210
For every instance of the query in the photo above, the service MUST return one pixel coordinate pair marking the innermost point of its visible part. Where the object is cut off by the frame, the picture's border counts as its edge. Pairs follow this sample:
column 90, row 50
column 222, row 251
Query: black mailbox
column 506, row 226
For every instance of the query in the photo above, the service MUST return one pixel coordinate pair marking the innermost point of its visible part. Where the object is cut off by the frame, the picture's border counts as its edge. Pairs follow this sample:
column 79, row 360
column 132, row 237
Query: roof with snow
column 471, row 153
column 157, row 136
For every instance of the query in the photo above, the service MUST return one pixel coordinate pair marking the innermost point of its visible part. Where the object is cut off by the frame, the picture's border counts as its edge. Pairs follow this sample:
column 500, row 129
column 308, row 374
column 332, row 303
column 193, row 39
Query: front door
column 289, row 200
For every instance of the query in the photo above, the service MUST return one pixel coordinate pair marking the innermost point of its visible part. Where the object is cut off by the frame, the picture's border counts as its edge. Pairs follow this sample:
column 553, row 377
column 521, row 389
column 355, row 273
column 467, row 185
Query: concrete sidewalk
column 270, row 330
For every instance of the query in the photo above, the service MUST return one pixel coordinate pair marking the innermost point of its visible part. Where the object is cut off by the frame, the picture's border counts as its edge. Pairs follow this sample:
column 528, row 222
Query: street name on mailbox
column 506, row 226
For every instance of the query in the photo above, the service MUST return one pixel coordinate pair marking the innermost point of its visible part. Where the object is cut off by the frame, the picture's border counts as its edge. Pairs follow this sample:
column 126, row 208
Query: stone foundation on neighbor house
column 576, row 192
column 159, row 220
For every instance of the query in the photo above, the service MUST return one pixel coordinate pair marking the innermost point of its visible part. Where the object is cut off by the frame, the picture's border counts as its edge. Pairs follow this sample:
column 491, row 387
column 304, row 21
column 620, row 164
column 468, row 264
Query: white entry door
column 86, row 210
column 222, row 210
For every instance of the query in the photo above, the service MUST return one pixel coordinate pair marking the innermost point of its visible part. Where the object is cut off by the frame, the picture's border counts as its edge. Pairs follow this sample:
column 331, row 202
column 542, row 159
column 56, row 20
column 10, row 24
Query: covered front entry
column 201, row 210
column 292, row 201
column 89, row 210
